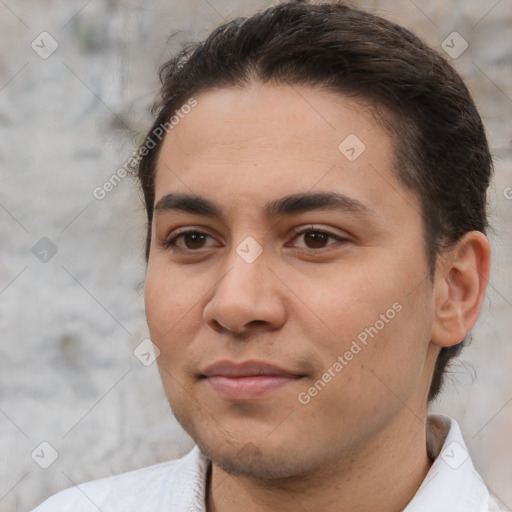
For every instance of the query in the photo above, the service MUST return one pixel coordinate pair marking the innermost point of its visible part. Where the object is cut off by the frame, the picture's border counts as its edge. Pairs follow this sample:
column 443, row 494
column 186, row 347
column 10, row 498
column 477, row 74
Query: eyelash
column 170, row 244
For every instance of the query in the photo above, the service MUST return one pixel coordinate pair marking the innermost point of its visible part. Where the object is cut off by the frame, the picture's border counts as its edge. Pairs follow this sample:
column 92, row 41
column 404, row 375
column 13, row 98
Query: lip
column 245, row 369
column 248, row 380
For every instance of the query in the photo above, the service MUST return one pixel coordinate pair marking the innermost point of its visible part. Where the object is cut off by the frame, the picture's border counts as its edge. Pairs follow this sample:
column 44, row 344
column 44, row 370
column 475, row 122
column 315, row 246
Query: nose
column 247, row 298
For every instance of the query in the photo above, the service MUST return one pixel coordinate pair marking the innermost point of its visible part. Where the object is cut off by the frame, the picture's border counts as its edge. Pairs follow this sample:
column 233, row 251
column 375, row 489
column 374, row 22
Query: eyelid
column 315, row 227
column 169, row 242
column 318, row 229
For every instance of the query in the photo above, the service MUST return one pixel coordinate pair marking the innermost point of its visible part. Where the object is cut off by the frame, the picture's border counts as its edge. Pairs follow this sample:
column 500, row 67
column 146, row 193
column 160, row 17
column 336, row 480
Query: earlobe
column 461, row 279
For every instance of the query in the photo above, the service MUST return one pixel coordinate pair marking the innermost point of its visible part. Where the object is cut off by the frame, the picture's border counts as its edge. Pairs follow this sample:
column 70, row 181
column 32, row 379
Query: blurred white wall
column 68, row 325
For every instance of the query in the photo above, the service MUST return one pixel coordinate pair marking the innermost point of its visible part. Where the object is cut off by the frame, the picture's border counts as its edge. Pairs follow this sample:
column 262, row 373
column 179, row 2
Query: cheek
column 371, row 317
column 346, row 300
column 169, row 300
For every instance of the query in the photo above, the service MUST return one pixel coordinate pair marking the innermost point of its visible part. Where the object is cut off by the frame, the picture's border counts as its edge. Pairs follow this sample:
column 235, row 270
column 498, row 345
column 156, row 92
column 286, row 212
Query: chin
column 278, row 459
column 254, row 462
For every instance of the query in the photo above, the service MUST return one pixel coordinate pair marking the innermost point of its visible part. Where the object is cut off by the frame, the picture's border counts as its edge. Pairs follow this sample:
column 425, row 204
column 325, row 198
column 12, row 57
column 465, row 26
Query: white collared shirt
column 451, row 485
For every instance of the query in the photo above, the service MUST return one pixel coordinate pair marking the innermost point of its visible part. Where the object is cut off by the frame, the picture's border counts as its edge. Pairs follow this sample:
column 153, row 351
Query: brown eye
column 317, row 239
column 192, row 240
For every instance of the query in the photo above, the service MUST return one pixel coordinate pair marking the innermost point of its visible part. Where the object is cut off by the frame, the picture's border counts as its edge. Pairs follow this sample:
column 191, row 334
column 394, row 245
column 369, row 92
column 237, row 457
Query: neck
column 384, row 475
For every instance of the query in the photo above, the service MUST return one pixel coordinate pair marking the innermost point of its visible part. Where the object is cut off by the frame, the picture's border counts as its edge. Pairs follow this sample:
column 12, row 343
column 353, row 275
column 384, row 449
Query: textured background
column 69, row 325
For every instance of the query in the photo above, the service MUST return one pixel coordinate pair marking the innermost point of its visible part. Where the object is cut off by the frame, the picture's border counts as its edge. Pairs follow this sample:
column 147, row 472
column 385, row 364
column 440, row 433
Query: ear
column 460, row 281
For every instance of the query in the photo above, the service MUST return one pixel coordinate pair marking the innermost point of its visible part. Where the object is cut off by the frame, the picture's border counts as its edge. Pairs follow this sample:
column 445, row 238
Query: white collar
column 452, row 484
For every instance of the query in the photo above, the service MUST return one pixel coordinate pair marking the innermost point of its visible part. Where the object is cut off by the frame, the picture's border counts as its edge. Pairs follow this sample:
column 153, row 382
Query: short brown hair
column 440, row 146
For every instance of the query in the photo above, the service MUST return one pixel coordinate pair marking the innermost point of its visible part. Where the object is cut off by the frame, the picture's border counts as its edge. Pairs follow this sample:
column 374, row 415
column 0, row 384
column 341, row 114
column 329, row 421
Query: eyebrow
column 287, row 205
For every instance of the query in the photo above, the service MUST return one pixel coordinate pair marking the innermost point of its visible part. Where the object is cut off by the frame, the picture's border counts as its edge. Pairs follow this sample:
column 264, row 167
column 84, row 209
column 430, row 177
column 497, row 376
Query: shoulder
column 494, row 504
column 143, row 489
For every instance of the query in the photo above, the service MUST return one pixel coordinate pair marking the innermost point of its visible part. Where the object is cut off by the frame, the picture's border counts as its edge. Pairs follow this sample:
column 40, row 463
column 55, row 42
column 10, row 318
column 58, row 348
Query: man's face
column 345, row 317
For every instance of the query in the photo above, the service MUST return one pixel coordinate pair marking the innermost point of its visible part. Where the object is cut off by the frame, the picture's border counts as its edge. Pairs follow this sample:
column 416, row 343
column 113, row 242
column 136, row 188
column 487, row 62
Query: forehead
column 264, row 114
column 255, row 142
